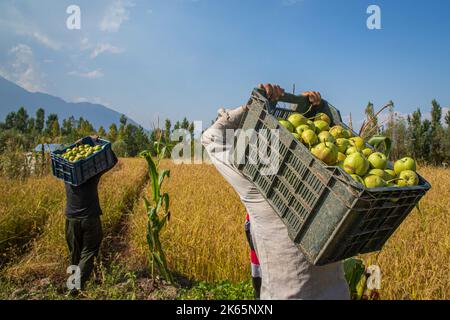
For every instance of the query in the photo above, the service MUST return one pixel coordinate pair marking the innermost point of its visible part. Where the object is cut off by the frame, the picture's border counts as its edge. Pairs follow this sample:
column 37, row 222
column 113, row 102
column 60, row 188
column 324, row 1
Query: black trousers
column 84, row 236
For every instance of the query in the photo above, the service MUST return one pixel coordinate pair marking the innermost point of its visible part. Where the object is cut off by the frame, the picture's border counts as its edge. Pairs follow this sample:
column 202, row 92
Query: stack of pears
column 80, row 152
column 337, row 146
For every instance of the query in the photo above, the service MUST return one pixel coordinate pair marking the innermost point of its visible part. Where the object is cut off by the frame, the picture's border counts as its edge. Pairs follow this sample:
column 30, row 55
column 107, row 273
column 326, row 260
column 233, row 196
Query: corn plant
column 158, row 213
column 355, row 274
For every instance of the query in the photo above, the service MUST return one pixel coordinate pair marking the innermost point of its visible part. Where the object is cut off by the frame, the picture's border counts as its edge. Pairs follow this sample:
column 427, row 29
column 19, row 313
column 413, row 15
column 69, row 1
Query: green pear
column 311, row 125
column 325, row 136
column 309, row 137
column 377, row 160
column 287, row 125
column 390, row 174
column 374, row 181
column 356, row 163
column 377, row 172
column 341, row 156
column 348, row 134
column 351, row 150
column 403, row 164
column 358, row 142
column 357, row 179
column 321, row 125
column 302, row 128
column 297, row 119
column 342, row 144
column 323, row 117
column 409, row 177
column 367, row 152
column 338, row 132
column 327, row 152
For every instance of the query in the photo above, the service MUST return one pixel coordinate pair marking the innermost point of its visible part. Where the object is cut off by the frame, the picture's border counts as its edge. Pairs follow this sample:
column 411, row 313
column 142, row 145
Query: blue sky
column 171, row 58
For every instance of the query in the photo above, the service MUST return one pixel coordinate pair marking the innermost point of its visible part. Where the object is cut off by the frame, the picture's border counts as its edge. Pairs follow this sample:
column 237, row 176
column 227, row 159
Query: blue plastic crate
column 76, row 173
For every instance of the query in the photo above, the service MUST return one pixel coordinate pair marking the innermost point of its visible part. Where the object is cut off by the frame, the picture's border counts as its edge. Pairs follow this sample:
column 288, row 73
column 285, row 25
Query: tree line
column 20, row 131
column 427, row 140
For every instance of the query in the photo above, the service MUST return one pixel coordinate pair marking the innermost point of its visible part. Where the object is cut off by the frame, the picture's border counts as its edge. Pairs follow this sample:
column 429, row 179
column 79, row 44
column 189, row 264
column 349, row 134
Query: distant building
column 48, row 147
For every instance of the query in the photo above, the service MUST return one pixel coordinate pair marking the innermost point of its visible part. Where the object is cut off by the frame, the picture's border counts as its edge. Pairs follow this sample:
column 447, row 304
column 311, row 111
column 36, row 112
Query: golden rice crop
column 205, row 238
column 25, row 206
column 117, row 190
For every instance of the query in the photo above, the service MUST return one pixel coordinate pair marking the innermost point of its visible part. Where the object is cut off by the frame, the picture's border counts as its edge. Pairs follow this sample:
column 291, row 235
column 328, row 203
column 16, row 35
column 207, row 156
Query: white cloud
column 44, row 39
column 23, row 69
column 116, row 14
column 22, row 27
column 105, row 47
column 89, row 74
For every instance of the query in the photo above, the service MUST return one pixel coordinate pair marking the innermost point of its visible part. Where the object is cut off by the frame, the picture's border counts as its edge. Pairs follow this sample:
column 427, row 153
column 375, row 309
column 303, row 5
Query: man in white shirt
column 285, row 272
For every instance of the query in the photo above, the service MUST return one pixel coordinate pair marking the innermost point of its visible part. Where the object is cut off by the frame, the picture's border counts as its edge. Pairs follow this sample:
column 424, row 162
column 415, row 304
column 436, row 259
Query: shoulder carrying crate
column 76, row 173
column 329, row 215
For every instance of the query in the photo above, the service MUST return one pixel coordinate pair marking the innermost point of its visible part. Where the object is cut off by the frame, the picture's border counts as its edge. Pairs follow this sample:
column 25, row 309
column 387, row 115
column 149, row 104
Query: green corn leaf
column 354, row 269
column 153, row 174
column 378, row 140
column 164, row 173
column 163, row 220
column 146, row 203
column 166, row 200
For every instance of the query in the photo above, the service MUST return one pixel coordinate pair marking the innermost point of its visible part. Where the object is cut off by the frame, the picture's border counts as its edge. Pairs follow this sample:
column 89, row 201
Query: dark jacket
column 82, row 201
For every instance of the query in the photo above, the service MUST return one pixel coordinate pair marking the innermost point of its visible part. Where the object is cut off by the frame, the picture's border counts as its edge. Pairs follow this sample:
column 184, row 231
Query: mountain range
column 12, row 97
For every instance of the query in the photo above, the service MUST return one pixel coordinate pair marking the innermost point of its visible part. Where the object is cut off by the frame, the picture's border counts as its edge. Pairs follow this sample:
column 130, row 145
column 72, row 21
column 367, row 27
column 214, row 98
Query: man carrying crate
column 83, row 225
column 284, row 270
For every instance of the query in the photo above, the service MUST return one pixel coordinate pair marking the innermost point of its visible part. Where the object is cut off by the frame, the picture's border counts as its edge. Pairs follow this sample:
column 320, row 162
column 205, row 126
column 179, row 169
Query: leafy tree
column 167, row 131
column 112, row 133
column 31, row 125
column 10, row 120
column 120, row 148
column 123, row 120
column 191, row 130
column 52, row 117
column 136, row 140
column 436, row 134
column 85, row 128
column 415, row 134
column 21, row 120
column 426, row 140
column 55, row 129
column 400, row 139
column 185, row 124
column 177, row 125
column 40, row 118
column 447, row 118
column 67, row 126
column 101, row 131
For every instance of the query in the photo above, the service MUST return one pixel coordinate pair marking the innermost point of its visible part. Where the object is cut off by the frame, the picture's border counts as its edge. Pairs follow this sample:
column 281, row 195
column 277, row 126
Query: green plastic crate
column 329, row 215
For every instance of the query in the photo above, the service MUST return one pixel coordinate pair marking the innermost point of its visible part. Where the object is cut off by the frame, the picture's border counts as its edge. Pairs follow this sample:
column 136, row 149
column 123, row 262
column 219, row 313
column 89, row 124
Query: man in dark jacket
column 83, row 226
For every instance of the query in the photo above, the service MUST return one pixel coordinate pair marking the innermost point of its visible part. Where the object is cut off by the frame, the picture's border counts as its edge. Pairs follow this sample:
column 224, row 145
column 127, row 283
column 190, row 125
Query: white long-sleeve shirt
column 285, row 272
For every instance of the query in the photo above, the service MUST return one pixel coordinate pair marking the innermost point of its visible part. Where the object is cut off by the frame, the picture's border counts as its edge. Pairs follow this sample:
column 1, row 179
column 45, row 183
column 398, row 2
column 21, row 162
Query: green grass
column 223, row 290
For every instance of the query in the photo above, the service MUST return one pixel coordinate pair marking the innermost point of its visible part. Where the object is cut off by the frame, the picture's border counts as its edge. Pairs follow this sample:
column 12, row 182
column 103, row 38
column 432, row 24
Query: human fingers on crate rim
column 314, row 97
column 273, row 91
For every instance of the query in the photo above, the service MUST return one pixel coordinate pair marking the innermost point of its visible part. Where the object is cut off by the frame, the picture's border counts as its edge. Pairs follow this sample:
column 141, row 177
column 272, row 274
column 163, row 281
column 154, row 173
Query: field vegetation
column 204, row 241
